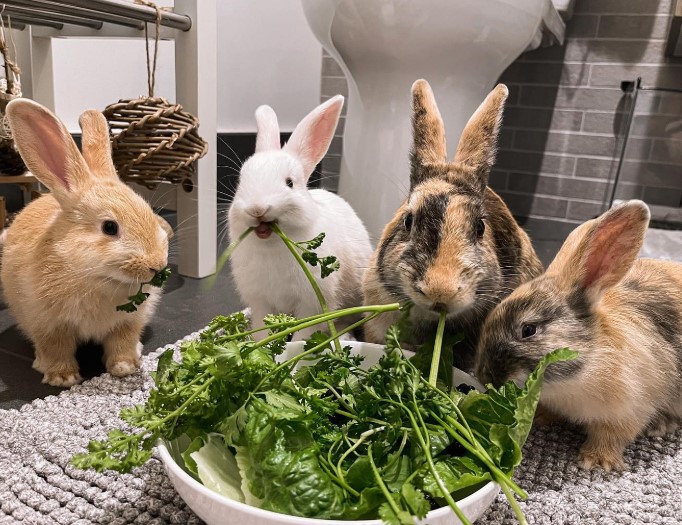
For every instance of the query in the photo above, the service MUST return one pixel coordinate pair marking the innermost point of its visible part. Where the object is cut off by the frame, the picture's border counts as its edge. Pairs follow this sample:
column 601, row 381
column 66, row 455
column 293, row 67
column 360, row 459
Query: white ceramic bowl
column 215, row 509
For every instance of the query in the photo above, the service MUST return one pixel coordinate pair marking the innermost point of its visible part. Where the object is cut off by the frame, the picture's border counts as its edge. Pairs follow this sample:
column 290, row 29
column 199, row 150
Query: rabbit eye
column 290, row 182
column 528, row 330
column 110, row 228
column 480, row 228
column 407, row 221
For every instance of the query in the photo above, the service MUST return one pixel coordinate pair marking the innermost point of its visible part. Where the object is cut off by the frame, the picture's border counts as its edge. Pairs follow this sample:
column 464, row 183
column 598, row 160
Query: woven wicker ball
column 11, row 162
column 153, row 141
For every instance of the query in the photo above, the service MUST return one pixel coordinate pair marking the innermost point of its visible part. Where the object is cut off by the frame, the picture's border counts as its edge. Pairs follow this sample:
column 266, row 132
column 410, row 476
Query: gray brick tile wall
column 560, row 142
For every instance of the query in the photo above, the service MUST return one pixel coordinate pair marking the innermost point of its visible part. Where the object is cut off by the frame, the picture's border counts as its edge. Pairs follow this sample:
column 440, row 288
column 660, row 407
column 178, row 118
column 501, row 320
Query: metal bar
column 36, row 21
column 138, row 12
column 634, row 88
column 55, row 6
column 19, row 26
column 27, row 12
column 661, row 89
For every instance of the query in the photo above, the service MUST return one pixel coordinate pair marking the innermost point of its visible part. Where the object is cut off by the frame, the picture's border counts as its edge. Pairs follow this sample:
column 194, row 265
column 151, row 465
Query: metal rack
column 193, row 26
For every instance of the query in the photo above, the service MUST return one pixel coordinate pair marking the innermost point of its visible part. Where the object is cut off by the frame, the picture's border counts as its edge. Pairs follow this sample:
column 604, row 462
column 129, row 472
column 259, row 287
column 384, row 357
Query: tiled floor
column 187, row 305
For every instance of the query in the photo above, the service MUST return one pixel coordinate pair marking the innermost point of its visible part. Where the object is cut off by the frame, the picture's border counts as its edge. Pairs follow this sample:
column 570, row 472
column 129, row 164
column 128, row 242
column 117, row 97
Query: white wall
column 92, row 73
column 266, row 55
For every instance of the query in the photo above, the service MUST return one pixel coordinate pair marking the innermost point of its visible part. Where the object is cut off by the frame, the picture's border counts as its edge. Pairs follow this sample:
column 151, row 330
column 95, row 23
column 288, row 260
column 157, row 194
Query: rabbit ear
column 47, row 148
column 267, row 137
column 96, row 144
column 310, row 140
column 428, row 133
column 608, row 249
column 477, row 145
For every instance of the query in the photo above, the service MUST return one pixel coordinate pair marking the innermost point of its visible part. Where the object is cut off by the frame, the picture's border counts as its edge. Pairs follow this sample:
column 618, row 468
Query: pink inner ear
column 320, row 136
column 608, row 248
column 50, row 147
column 311, row 138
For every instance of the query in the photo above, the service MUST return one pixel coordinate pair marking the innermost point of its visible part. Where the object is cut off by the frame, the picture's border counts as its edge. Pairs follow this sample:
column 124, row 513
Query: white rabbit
column 273, row 188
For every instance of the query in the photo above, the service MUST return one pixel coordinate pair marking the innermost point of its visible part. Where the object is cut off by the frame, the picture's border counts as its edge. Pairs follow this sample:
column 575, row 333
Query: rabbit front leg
column 122, row 349
column 606, row 443
column 56, row 358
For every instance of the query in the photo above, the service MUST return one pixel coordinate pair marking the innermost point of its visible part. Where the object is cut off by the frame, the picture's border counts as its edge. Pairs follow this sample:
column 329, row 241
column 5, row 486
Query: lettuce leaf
column 502, row 418
column 216, row 467
column 283, row 467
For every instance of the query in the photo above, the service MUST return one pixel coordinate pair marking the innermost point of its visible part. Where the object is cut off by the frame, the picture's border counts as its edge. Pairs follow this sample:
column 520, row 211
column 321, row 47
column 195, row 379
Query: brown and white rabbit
column 72, row 256
column 273, row 188
column 622, row 314
column 453, row 245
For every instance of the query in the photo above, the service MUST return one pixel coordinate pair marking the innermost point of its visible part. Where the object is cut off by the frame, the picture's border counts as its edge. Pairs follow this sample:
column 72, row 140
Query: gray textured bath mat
column 38, row 486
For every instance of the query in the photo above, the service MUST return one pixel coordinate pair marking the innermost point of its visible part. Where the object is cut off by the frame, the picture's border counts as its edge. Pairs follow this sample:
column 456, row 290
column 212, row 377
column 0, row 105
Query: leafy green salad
column 319, row 434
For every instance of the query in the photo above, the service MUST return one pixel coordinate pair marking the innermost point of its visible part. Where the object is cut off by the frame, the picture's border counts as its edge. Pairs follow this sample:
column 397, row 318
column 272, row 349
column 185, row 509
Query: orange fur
column 62, row 276
column 621, row 315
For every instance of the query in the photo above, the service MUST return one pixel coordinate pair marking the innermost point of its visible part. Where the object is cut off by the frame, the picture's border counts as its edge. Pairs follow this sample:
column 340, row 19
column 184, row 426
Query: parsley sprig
column 328, row 264
column 319, row 435
column 141, row 296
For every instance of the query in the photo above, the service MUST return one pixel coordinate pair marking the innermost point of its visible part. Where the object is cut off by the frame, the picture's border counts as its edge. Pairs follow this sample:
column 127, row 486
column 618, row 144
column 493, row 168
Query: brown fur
column 622, row 315
column 61, row 275
column 440, row 262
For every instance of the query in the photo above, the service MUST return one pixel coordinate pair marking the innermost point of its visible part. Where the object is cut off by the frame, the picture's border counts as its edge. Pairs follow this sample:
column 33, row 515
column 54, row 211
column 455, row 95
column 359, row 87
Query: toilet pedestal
column 459, row 46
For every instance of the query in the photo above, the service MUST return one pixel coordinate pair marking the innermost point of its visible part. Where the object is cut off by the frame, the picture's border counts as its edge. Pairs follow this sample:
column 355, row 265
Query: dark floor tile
column 19, row 383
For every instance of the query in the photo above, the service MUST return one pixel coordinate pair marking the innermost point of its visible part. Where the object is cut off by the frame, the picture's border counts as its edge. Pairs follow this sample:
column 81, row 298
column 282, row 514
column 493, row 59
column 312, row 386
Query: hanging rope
column 12, row 70
column 11, row 162
column 153, row 140
column 151, row 64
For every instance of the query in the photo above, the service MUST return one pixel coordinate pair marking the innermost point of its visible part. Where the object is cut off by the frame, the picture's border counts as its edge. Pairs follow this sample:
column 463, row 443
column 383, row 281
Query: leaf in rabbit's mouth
column 263, row 230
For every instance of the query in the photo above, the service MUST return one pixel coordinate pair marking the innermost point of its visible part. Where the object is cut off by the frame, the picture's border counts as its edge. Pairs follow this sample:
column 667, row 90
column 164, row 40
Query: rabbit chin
column 129, row 277
column 454, row 307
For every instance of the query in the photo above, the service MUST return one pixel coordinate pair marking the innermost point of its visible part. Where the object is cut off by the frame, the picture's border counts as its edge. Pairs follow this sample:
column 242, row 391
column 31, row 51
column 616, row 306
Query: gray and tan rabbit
column 70, row 257
column 622, row 314
column 453, row 245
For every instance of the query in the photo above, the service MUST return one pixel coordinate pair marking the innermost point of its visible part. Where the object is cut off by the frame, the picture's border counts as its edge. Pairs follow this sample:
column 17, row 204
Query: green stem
column 512, row 501
column 472, row 445
column 359, row 309
column 225, row 256
column 366, row 434
column 435, row 359
column 477, row 451
column 172, row 415
column 295, row 322
column 432, row 468
column 382, row 485
column 313, row 282
column 335, row 314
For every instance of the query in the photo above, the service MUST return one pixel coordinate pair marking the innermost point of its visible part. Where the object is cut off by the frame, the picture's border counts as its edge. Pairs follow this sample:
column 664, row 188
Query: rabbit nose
column 257, row 212
column 439, row 294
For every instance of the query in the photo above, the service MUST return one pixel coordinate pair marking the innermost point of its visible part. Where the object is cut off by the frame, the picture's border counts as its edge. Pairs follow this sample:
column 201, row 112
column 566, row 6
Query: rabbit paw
column 606, row 459
column 39, row 365
column 124, row 368
column 662, row 425
column 64, row 378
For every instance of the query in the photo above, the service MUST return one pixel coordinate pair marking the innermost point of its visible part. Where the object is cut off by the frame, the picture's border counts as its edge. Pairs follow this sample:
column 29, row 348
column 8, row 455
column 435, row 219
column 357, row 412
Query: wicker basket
column 154, row 141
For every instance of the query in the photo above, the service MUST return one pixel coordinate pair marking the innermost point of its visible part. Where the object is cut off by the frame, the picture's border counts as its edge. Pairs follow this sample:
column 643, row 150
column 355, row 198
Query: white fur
column 267, row 276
